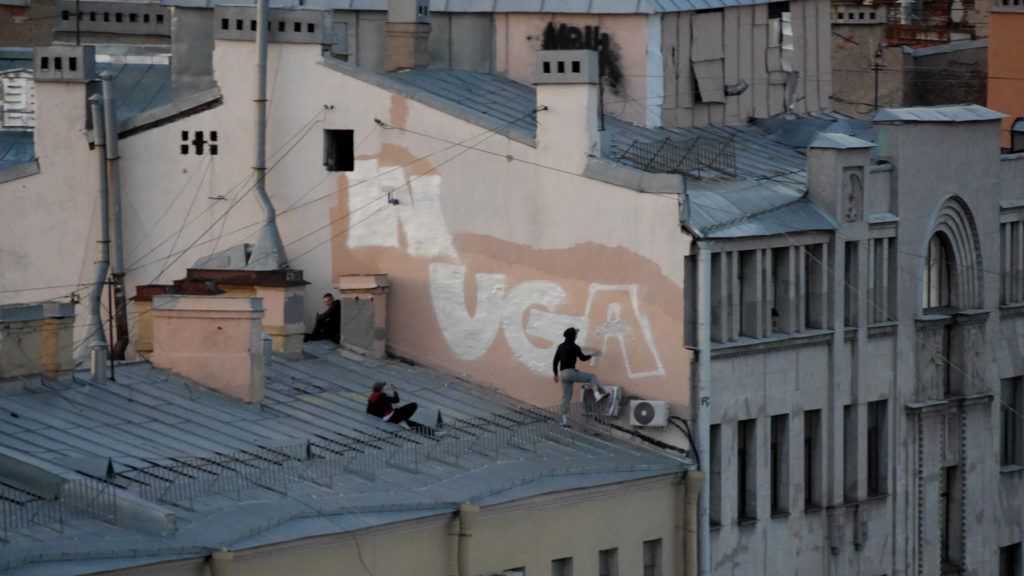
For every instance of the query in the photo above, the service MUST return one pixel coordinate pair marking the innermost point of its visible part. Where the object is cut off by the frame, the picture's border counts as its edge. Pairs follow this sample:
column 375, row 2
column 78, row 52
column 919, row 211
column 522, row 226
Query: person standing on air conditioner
column 565, row 372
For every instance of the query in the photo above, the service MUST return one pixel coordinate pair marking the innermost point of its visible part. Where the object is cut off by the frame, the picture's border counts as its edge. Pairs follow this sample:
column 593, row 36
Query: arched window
column 939, row 270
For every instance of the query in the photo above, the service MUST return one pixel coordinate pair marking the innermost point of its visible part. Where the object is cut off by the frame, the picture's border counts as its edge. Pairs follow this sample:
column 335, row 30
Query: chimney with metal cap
column 408, row 29
column 568, row 104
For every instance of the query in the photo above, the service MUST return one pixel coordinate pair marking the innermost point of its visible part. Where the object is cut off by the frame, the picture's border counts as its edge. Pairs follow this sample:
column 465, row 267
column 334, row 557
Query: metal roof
column 965, row 113
column 503, row 6
column 172, row 446
column 138, row 87
column 12, row 58
column 16, row 148
column 839, row 141
column 764, row 196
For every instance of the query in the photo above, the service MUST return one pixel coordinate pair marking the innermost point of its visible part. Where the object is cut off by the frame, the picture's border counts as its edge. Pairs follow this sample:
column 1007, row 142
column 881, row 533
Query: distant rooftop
column 502, row 6
column 762, row 193
column 307, row 461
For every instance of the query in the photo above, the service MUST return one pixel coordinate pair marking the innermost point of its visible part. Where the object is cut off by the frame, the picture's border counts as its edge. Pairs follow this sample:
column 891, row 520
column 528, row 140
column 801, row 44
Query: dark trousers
column 403, row 413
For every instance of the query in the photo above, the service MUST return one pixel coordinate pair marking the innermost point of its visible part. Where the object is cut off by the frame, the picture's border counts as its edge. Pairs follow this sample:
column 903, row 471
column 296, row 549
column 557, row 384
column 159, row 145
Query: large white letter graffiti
column 468, row 336
column 418, row 209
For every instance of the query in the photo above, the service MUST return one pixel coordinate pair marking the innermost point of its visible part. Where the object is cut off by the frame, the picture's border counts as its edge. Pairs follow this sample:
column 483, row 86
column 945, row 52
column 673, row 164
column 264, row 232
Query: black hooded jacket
column 568, row 352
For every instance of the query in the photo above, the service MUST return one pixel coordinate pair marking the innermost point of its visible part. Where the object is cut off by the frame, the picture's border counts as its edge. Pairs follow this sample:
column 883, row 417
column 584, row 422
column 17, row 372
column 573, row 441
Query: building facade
column 863, row 382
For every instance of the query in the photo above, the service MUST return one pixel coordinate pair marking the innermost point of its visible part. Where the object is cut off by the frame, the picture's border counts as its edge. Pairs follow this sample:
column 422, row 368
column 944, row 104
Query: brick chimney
column 36, row 339
column 568, row 99
column 214, row 340
column 408, row 29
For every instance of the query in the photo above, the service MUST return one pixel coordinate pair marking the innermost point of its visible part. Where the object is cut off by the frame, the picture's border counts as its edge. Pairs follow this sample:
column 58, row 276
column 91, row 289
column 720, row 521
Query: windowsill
column 780, row 514
column 716, row 526
column 748, row 345
column 1010, row 468
column 745, row 521
column 814, row 508
column 880, row 497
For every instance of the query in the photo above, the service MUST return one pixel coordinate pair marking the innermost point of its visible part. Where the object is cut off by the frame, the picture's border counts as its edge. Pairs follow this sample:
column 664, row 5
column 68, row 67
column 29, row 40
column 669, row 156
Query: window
column 1012, row 422
column 297, row 27
column 561, row 567
column 877, row 448
column 780, row 464
column 44, row 62
column 118, row 17
column 850, row 453
column 755, row 293
column 812, row 459
column 851, row 288
column 339, row 151
column 707, row 56
column 950, row 509
column 715, row 479
column 882, row 280
column 58, row 63
column 652, row 558
column 746, row 473
column 777, row 11
column 784, row 312
column 1009, row 560
column 936, row 282
column 72, row 63
column 65, row 15
column 1011, row 243
column 608, row 562
column 159, row 18
column 133, row 17
column 752, row 294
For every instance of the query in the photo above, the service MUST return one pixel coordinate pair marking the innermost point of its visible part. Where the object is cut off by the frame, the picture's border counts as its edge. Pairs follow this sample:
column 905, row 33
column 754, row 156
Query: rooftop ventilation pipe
column 114, row 186
column 99, row 340
column 268, row 252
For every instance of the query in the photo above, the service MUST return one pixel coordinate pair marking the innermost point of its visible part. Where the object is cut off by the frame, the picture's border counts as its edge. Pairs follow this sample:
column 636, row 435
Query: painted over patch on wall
column 404, row 212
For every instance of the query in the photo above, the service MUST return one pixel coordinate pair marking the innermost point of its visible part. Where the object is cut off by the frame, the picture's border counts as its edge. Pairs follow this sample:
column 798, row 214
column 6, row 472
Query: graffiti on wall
column 526, row 313
column 565, row 37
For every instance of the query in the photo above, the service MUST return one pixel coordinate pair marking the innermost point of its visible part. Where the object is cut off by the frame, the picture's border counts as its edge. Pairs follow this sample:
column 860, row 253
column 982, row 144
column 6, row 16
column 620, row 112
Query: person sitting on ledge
column 328, row 324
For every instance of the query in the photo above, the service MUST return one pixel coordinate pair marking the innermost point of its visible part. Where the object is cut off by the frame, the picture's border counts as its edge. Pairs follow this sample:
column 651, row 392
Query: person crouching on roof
column 382, row 406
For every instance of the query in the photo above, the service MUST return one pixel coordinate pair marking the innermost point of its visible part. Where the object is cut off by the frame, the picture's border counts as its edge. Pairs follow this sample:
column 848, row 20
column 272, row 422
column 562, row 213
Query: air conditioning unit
column 607, row 406
column 648, row 413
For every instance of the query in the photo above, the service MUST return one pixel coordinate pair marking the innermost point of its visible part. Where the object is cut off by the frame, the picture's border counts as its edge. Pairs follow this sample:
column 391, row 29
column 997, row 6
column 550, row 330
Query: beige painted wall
column 491, row 259
column 528, row 533
column 491, row 255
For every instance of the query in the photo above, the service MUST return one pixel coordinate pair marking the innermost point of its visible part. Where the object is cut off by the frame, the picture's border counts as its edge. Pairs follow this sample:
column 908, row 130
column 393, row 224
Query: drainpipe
column 99, row 342
column 117, row 255
column 220, row 562
column 467, row 514
column 703, row 397
column 268, row 252
column 694, row 482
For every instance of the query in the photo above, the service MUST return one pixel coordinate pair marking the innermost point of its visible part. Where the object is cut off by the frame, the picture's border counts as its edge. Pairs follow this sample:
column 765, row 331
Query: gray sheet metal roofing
column 764, row 197
column 503, row 6
column 150, row 423
column 16, row 148
column 963, row 113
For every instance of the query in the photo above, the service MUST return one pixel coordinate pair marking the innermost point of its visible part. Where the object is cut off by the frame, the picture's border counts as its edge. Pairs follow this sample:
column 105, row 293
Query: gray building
column 859, row 354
